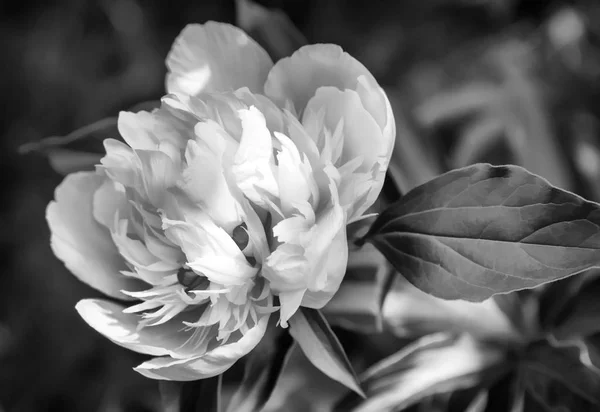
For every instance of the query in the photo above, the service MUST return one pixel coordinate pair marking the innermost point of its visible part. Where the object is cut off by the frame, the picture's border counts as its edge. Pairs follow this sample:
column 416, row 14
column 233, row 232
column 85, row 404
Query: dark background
column 69, row 63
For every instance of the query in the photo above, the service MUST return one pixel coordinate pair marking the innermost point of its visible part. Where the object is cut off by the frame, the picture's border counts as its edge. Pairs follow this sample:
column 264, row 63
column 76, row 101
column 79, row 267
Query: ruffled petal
column 361, row 134
column 120, row 163
column 216, row 57
column 81, row 242
column 212, row 363
column 203, row 179
column 362, row 139
column 350, row 93
column 254, row 162
column 166, row 129
column 297, row 78
column 109, row 200
column 109, row 320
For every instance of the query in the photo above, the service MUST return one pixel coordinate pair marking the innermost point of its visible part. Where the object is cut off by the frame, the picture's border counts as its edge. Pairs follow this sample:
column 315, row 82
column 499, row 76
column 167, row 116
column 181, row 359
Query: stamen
column 240, row 236
column 189, row 279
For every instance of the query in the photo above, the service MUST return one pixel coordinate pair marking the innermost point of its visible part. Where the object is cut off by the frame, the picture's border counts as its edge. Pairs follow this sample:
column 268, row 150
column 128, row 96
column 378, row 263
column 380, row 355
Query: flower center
column 240, row 236
column 189, row 279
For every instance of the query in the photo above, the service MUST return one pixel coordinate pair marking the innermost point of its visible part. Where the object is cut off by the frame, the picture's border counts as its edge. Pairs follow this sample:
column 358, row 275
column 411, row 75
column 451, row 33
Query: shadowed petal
column 290, row 303
column 215, row 57
column 121, row 328
column 335, row 268
column 83, row 244
column 212, row 363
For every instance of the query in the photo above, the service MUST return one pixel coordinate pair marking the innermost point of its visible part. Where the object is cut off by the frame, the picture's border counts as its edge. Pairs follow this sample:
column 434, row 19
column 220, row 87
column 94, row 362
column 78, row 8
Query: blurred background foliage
column 503, row 81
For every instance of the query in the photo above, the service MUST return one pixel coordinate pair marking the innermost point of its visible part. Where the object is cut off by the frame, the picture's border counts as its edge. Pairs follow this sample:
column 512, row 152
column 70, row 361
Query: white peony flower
column 228, row 203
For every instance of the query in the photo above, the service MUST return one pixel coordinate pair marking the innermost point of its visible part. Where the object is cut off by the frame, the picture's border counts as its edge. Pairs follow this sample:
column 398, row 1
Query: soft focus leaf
column 592, row 344
column 468, row 400
column 481, row 230
column 81, row 149
column 71, row 161
column 455, row 104
column 272, row 29
column 263, row 368
column 556, row 300
column 320, row 345
column 433, row 364
column 479, row 403
column 513, row 307
column 409, row 312
column 505, row 395
column 303, row 388
column 357, row 303
column 510, row 108
column 85, row 139
column 412, row 164
column 583, row 317
column 196, row 396
column 556, row 377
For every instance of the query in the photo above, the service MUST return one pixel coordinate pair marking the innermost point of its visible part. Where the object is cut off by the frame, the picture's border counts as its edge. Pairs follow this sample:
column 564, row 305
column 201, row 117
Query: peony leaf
column 196, row 396
column 263, row 368
column 482, row 230
column 555, row 377
column 272, row 29
column 320, row 345
column 433, row 364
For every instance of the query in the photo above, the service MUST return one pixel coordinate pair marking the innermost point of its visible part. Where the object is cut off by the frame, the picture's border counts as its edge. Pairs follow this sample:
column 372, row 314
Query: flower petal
column 254, row 162
column 203, row 179
column 335, row 268
column 109, row 200
column 215, row 57
column 152, row 130
column 224, row 270
column 297, row 78
column 290, row 303
column 81, row 242
column 361, row 134
column 362, row 137
column 109, row 320
column 210, row 364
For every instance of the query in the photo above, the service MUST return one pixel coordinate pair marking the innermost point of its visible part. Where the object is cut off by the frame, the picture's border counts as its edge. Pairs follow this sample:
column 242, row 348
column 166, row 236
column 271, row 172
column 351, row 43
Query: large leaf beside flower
column 482, row 230
column 227, row 203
